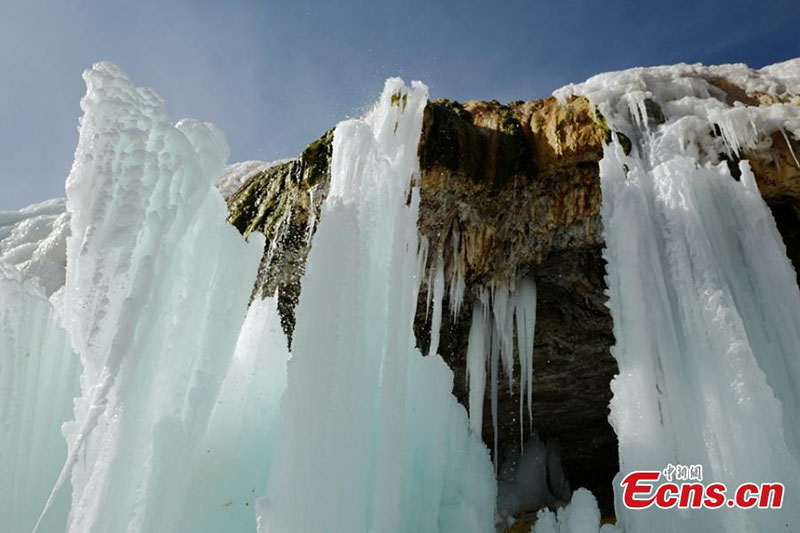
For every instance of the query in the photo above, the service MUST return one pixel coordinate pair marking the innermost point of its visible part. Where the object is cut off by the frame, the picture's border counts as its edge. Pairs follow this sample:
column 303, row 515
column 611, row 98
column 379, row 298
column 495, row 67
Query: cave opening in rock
column 573, row 368
column 788, row 222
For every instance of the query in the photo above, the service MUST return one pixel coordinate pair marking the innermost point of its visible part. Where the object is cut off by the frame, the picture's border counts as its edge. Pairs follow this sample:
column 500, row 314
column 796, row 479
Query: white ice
column 705, row 303
column 33, row 239
column 156, row 289
column 503, row 323
column 581, row 515
column 371, row 438
column 38, row 379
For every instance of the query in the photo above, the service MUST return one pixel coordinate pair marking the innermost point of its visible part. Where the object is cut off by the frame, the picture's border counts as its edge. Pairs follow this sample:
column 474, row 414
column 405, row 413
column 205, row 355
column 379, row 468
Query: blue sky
column 275, row 74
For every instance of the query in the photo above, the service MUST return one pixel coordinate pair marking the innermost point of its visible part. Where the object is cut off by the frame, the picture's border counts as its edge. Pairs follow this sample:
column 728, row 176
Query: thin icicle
column 503, row 311
column 499, row 314
column 525, row 314
column 457, row 284
column 494, row 364
column 480, row 335
column 789, row 145
column 438, row 296
column 422, row 259
column 312, row 215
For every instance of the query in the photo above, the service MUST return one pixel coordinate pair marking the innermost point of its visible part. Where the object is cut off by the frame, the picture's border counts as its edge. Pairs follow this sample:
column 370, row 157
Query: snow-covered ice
column 705, row 303
column 34, row 240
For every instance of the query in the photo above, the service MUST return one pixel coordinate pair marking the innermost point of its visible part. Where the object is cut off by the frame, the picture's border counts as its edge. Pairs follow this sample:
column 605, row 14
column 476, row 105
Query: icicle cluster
column 188, row 405
column 705, row 303
column 501, row 315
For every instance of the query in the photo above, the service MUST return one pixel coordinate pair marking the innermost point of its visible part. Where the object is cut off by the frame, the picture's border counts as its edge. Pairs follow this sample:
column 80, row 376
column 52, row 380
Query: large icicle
column 371, row 438
column 705, row 304
column 156, row 288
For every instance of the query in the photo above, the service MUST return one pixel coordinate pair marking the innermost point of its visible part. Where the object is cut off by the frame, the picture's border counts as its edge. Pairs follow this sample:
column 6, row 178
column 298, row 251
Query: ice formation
column 705, row 303
column 147, row 229
column 175, row 419
column 371, row 438
column 34, row 239
column 503, row 323
column 579, row 516
column 38, row 379
column 232, row 462
column 191, row 414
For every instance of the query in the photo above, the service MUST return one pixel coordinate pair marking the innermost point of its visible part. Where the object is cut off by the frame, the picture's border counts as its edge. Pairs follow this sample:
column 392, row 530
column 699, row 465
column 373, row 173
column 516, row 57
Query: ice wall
column 371, row 439
column 232, row 461
column 156, row 289
column 705, row 304
column 38, row 379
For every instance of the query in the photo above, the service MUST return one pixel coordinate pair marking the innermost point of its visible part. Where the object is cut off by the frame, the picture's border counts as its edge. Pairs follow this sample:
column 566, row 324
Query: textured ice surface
column 579, row 516
column 156, row 290
column 34, row 239
column 705, row 303
column 371, row 438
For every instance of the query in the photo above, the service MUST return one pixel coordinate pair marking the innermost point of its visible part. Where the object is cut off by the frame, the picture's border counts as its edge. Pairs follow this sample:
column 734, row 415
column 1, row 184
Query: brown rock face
column 539, row 216
column 508, row 190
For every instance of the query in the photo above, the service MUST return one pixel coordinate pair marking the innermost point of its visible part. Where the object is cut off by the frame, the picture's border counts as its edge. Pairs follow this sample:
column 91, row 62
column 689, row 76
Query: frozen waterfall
column 371, row 438
column 705, row 303
column 142, row 390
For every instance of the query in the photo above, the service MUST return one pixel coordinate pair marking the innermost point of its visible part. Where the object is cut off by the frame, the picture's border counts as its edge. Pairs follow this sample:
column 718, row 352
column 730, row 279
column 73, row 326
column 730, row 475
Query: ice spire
column 371, row 438
column 147, row 229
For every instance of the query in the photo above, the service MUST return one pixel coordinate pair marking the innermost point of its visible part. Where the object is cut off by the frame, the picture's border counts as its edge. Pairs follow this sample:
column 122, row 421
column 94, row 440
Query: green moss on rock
column 624, row 140
column 316, row 159
column 451, row 140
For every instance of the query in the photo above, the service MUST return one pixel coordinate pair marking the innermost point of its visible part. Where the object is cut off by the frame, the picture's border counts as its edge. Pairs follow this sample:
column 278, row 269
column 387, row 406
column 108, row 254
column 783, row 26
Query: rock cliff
column 509, row 190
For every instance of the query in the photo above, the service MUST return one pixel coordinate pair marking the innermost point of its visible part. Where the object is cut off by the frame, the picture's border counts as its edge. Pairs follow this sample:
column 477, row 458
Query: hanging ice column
column 371, row 438
column 501, row 315
column 705, row 304
column 156, row 288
